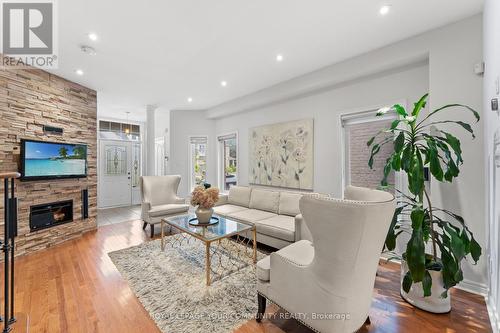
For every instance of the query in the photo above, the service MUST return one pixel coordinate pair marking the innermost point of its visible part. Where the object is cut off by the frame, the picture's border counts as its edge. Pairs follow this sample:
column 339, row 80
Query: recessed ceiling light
column 279, row 58
column 223, row 83
column 190, row 99
column 385, row 9
column 92, row 36
column 79, row 72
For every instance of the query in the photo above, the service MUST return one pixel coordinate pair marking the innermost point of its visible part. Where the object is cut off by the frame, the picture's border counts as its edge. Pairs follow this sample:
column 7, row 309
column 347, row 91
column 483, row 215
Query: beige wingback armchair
column 329, row 279
column 159, row 199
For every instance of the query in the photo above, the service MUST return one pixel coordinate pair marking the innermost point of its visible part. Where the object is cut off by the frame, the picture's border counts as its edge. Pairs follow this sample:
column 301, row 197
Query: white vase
column 204, row 214
column 434, row 303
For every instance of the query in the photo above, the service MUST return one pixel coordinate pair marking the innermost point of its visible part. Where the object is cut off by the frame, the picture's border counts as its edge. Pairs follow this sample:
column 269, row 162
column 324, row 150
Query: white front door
column 115, row 179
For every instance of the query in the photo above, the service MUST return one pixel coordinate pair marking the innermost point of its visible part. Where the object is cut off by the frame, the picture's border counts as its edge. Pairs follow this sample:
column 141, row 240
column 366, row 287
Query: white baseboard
column 494, row 316
column 473, row 287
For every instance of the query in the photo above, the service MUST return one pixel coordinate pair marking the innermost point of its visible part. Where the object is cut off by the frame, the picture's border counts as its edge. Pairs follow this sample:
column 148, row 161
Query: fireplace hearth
column 51, row 214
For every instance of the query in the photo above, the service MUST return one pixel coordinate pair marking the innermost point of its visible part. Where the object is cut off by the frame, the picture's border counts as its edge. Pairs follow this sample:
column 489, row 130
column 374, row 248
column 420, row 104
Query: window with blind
column 358, row 129
column 228, row 161
column 198, row 158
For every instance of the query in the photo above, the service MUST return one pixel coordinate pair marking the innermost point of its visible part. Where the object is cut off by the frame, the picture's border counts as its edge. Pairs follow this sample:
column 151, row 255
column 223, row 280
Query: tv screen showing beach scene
column 57, row 160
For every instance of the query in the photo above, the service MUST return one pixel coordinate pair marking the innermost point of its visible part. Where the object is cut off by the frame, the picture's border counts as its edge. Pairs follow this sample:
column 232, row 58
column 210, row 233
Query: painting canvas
column 282, row 154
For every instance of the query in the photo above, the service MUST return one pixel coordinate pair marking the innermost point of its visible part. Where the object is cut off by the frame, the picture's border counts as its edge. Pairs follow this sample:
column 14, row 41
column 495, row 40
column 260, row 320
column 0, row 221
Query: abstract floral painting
column 282, row 154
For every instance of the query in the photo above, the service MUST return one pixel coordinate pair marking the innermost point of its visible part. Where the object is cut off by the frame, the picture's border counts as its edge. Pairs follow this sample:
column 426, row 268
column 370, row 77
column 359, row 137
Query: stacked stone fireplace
column 30, row 99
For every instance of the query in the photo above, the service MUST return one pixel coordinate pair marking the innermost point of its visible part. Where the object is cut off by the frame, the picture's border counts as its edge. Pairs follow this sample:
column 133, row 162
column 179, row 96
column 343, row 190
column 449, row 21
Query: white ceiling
column 162, row 52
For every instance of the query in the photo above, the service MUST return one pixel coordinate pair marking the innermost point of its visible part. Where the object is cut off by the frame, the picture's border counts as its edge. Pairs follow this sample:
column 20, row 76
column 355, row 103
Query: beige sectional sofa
column 275, row 214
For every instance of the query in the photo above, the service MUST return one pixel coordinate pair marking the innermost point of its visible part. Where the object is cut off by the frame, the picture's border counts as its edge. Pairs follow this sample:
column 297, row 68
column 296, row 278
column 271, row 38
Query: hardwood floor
column 74, row 287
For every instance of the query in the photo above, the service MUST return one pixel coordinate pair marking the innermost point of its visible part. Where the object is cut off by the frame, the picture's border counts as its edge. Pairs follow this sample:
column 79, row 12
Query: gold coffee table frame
column 243, row 228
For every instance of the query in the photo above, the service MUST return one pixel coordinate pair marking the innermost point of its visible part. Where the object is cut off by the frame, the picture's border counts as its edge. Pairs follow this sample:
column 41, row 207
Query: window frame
column 363, row 115
column 220, row 159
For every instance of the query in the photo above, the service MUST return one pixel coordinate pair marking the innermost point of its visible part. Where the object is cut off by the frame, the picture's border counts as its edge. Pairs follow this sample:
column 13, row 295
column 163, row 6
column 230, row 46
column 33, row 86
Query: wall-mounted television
column 52, row 160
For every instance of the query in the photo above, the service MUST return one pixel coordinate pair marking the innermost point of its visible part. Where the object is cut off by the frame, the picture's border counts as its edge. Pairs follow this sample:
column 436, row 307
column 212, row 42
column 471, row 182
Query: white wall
column 183, row 125
column 162, row 130
column 492, row 124
column 451, row 51
column 408, row 83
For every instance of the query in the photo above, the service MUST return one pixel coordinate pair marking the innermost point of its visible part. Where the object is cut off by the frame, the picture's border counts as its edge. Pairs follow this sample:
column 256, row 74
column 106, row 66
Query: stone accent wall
column 30, row 99
column 359, row 154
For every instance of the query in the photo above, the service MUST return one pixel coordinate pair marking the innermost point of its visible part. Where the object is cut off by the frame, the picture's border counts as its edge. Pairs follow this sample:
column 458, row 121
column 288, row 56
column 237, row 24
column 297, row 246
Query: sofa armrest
column 180, row 200
column 223, row 199
column 301, row 229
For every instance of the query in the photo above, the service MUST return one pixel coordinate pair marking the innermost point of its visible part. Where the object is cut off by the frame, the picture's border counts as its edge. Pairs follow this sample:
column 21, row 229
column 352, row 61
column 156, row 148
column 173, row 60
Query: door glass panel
column 229, row 162
column 116, row 160
column 136, row 165
column 198, row 161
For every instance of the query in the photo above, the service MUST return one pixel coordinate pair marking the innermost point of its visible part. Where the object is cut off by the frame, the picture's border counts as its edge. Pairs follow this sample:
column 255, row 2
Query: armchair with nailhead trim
column 328, row 280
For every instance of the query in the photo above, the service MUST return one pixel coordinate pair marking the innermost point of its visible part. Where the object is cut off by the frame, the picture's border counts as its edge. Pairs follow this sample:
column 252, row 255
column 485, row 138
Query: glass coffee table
column 218, row 234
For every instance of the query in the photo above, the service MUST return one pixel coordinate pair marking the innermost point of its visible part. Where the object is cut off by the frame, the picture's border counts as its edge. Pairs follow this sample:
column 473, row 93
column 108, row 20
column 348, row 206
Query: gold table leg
column 207, row 262
column 254, row 245
column 162, row 235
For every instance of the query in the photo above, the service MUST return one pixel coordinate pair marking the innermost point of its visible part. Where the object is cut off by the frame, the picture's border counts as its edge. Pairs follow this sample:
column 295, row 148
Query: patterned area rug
column 171, row 286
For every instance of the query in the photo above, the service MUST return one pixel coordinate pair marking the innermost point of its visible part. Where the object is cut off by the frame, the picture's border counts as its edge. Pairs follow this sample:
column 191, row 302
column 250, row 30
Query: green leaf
column 456, row 243
column 454, row 143
column 465, row 239
column 466, row 126
column 475, row 250
column 396, row 161
column 369, row 143
column 433, row 156
column 390, row 240
column 387, row 171
column 400, row 110
column 415, row 249
column 406, row 158
column 420, row 105
column 399, row 142
column 407, row 281
column 468, row 108
column 375, row 150
column 416, row 174
column 395, row 124
column 427, row 284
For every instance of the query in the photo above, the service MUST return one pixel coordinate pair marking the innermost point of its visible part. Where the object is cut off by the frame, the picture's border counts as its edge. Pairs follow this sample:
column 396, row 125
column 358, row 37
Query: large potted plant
column 438, row 239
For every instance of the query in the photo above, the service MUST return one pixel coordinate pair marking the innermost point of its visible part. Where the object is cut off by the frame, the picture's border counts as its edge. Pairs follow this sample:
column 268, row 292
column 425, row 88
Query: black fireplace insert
column 51, row 214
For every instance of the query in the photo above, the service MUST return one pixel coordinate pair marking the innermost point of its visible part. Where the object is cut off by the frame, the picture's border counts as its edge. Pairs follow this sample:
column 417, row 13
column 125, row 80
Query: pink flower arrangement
column 205, row 198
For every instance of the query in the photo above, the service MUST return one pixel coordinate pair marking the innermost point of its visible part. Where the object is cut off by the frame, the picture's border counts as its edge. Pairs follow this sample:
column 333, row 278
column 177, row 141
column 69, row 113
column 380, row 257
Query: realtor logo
column 28, row 33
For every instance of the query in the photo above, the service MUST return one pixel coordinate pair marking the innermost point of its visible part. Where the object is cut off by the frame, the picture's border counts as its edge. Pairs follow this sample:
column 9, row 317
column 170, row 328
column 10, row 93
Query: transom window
column 111, row 130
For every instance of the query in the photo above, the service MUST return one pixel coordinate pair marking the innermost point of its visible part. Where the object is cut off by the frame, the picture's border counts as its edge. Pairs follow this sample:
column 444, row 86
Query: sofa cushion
column 239, row 196
column 289, row 203
column 168, row 209
column 251, row 215
column 279, row 226
column 265, row 200
column 264, row 269
column 228, row 209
